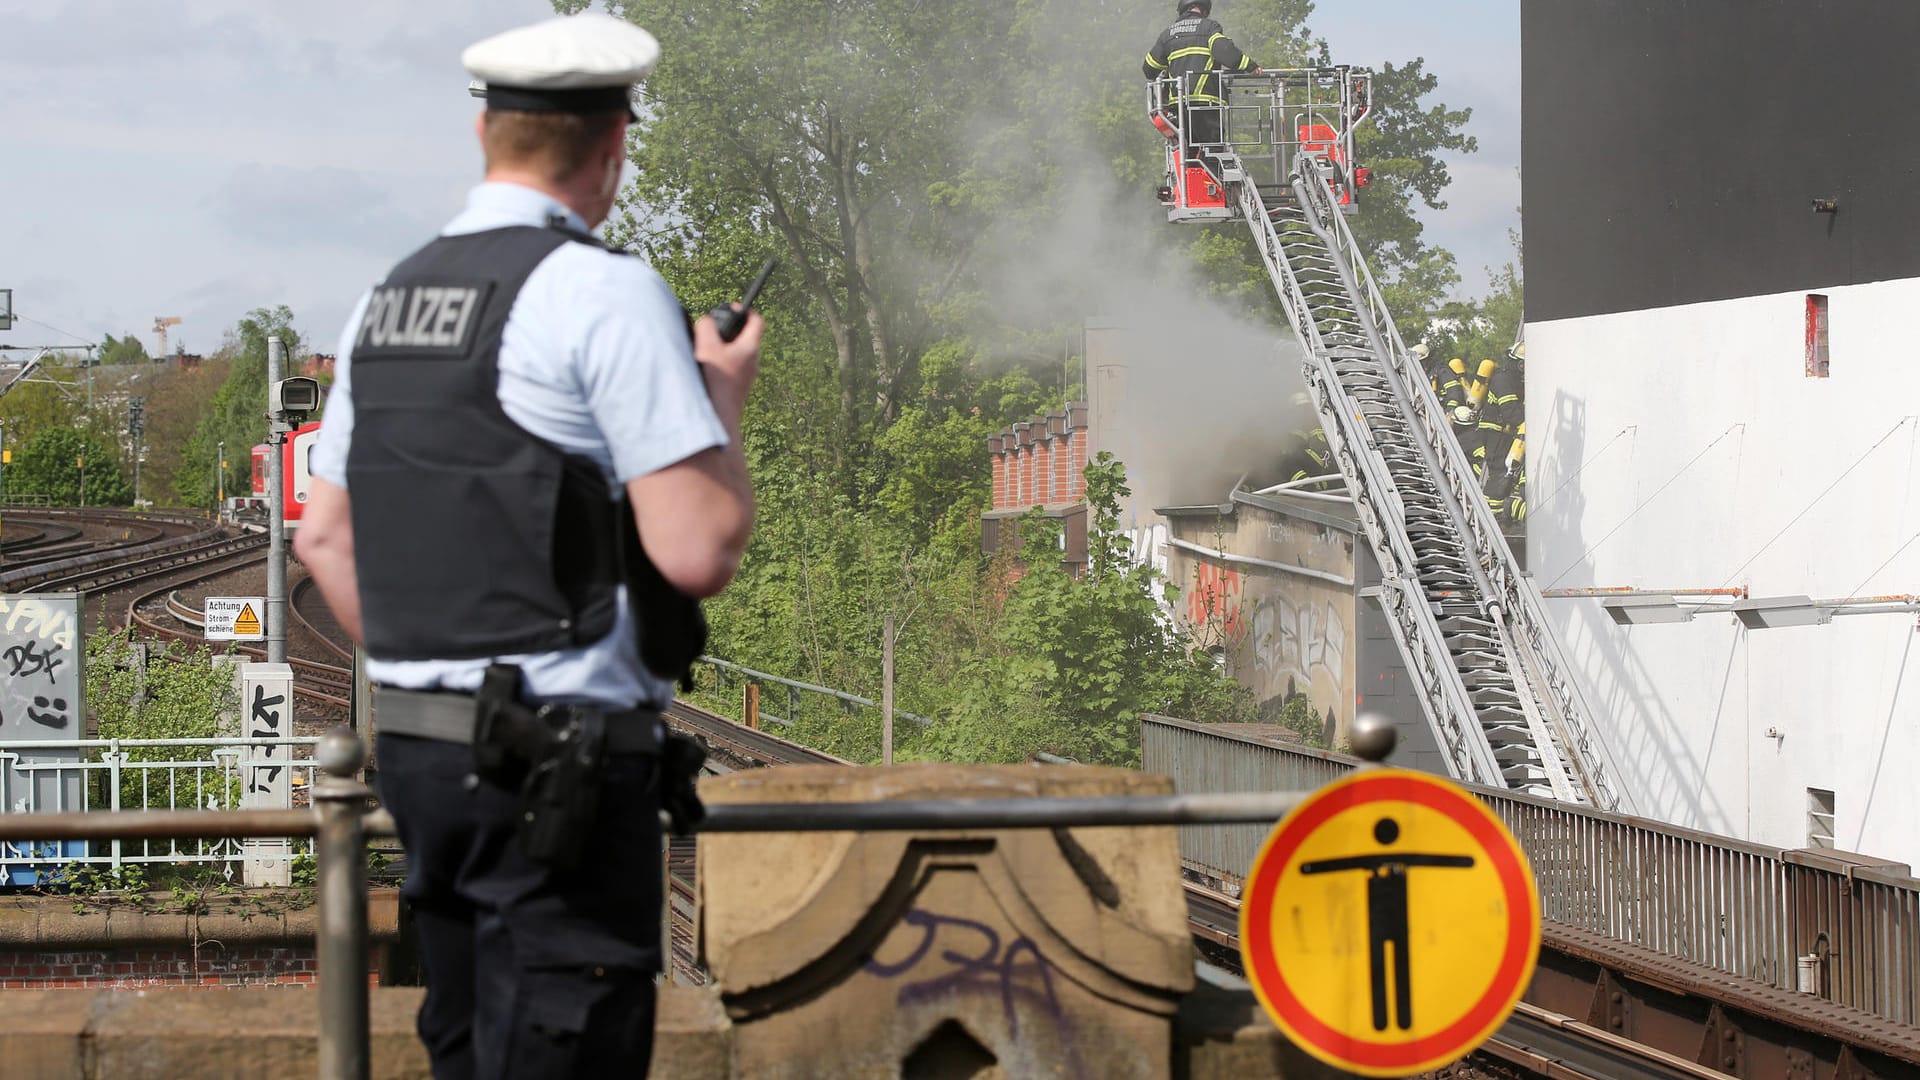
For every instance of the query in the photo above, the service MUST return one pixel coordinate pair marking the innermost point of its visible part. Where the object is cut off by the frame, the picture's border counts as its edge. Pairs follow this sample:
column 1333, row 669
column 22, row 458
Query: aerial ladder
column 1496, row 689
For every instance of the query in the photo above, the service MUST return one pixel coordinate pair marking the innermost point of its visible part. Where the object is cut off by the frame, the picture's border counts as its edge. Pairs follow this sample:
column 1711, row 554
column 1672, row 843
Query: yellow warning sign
column 1390, row 923
column 234, row 618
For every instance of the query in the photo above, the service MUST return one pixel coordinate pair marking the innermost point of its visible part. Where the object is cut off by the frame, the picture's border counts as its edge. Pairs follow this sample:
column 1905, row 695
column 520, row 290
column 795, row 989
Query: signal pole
column 276, row 517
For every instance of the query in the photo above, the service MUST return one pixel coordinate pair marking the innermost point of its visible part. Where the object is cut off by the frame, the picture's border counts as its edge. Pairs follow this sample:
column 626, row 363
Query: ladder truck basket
column 1259, row 126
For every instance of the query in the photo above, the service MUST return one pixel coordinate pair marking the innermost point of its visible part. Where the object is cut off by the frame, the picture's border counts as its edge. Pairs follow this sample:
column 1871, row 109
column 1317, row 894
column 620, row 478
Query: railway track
column 146, row 546
column 309, row 610
column 730, row 747
column 326, row 684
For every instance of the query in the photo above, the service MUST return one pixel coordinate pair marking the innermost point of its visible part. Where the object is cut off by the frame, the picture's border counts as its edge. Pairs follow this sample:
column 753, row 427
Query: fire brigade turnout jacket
column 1193, row 48
column 474, row 537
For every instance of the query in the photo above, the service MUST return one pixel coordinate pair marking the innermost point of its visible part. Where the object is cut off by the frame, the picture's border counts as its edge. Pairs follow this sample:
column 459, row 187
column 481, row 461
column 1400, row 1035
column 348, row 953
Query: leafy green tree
column 161, row 691
column 1076, row 660
column 126, row 350
column 31, row 408
column 950, row 188
column 1487, row 327
column 237, row 415
column 52, row 464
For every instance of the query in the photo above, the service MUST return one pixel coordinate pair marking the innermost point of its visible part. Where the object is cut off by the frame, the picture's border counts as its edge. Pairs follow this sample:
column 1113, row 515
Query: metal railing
column 340, row 820
column 95, row 775
column 795, row 688
column 1843, row 927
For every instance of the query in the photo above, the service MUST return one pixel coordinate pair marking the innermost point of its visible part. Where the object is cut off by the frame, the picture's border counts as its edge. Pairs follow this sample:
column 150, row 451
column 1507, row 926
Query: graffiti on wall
column 40, row 676
column 39, row 671
column 1304, row 640
column 1213, row 604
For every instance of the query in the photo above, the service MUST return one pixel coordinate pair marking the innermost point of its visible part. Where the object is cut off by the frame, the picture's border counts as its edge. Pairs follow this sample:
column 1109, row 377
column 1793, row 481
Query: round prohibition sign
column 1389, row 923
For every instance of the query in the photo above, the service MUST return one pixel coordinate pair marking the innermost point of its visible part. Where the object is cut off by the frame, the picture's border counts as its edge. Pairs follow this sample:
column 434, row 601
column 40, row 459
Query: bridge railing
column 1840, row 926
column 93, row 775
column 340, row 819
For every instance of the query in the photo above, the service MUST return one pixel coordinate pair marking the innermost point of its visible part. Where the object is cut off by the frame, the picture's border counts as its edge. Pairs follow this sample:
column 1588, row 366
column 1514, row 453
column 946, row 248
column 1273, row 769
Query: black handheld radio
column 729, row 320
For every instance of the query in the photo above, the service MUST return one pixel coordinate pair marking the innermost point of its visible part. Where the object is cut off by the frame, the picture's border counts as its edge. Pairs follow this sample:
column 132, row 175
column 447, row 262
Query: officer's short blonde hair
column 555, row 145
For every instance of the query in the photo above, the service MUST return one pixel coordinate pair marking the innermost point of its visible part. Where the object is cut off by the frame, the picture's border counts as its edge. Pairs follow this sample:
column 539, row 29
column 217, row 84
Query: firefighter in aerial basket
column 529, row 470
column 1194, row 51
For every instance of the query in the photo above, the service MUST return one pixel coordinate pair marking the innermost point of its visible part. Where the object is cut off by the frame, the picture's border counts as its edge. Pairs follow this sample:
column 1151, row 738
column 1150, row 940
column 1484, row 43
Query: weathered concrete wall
column 209, row 1034
column 1281, row 633
column 989, row 954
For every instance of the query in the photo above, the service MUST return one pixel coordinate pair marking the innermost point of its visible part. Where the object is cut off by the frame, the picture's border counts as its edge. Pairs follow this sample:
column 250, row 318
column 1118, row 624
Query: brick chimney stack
column 1041, row 462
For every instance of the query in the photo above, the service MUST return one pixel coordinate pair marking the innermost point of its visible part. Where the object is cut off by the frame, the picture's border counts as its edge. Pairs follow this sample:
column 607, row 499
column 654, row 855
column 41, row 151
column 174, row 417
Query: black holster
column 680, row 761
column 556, row 756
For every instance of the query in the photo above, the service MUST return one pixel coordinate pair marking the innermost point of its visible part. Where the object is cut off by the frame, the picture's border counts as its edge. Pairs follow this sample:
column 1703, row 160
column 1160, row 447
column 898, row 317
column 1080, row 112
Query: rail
column 795, row 686
column 1745, row 910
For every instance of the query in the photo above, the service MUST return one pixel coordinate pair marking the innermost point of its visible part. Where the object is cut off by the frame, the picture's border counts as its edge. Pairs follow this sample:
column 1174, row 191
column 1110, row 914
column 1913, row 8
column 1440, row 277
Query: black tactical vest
column 473, row 537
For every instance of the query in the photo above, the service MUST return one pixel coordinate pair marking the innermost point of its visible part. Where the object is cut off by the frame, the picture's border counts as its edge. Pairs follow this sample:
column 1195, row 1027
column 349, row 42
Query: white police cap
column 584, row 63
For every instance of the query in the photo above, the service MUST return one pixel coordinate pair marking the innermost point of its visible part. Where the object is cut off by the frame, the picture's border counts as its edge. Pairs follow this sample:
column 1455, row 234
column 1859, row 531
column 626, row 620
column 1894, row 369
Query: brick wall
column 132, row 969
column 1040, row 462
column 994, row 443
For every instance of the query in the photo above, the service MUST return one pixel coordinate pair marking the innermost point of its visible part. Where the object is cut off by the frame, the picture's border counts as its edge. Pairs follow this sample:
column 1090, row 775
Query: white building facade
column 1723, row 391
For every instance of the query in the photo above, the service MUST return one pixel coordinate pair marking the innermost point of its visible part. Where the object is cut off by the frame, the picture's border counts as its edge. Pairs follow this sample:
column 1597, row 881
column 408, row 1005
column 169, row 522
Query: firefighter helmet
column 1181, row 7
column 1420, row 351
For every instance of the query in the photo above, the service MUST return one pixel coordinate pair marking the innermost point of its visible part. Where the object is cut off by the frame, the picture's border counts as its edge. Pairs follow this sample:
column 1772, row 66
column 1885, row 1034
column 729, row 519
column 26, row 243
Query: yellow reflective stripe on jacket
column 1155, row 63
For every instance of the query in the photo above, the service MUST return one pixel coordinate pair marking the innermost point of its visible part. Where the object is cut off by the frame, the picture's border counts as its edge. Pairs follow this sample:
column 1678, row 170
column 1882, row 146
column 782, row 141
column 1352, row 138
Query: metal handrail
column 1744, row 909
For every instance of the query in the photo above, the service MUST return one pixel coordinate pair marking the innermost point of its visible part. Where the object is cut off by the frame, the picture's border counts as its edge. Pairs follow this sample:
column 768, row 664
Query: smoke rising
column 1191, row 391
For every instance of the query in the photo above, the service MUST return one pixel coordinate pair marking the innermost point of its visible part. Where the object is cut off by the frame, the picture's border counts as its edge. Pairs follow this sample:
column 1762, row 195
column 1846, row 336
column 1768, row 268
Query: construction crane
column 160, row 324
column 1495, row 687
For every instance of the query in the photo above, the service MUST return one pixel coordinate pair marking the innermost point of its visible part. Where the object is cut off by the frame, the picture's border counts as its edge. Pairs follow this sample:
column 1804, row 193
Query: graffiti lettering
column 265, row 715
column 1017, row 974
column 1301, row 641
column 30, row 615
column 27, row 660
column 265, row 711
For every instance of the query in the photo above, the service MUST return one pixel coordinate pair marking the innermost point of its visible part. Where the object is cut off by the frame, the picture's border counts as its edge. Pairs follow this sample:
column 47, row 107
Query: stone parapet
column 1014, row 953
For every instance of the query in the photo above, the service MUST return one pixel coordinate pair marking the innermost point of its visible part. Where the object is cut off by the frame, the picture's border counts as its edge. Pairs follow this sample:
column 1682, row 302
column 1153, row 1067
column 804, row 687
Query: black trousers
column 531, row 973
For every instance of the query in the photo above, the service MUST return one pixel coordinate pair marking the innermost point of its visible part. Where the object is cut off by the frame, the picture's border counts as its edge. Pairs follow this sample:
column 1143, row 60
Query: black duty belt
column 449, row 716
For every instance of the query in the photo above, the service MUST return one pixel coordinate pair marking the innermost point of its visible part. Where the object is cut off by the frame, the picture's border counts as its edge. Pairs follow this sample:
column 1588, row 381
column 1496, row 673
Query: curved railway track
column 309, row 609
column 174, row 550
column 327, row 684
column 63, row 534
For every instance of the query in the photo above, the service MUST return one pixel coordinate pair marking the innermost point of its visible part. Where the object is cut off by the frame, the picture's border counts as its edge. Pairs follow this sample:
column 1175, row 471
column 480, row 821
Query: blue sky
column 207, row 157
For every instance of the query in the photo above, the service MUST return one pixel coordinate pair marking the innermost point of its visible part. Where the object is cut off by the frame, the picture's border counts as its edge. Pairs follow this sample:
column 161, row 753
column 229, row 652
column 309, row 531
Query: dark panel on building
column 1672, row 149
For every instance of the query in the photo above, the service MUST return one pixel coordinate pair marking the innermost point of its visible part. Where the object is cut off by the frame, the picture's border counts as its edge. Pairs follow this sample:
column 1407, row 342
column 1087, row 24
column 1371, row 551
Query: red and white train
column 296, row 451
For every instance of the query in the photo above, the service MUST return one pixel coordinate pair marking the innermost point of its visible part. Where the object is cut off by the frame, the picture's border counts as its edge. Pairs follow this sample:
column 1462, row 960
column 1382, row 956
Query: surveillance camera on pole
column 291, row 401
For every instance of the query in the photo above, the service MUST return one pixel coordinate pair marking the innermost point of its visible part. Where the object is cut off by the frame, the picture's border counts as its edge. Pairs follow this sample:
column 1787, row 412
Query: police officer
column 1194, row 50
column 528, row 468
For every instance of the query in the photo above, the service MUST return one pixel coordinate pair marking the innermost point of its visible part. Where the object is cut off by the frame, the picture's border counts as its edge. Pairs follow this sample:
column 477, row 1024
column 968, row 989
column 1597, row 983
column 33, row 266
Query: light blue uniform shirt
column 595, row 360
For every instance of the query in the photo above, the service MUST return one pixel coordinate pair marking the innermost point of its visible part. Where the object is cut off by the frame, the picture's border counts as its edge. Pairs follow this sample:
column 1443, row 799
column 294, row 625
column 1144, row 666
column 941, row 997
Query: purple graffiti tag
column 989, row 969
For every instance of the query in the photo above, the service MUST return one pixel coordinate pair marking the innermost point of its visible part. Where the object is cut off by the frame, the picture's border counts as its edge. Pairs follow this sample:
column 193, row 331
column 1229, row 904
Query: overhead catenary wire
column 65, row 333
